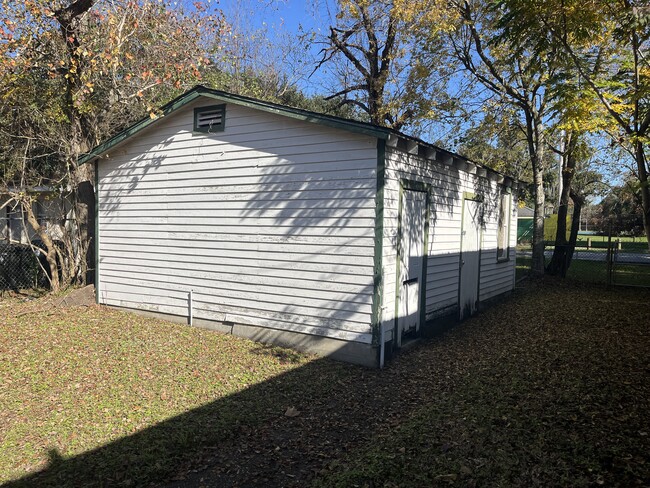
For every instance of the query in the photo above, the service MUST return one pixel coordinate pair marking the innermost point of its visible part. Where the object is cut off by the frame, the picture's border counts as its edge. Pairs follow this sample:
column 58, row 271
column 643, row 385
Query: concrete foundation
column 349, row 352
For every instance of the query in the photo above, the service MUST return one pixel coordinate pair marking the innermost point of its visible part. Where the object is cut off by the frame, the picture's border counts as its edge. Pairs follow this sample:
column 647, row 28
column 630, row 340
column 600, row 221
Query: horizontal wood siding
column 498, row 277
column 269, row 223
column 442, row 275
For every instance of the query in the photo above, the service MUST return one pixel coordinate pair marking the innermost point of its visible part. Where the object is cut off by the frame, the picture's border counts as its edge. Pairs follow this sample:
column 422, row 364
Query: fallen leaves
column 549, row 388
column 291, row 412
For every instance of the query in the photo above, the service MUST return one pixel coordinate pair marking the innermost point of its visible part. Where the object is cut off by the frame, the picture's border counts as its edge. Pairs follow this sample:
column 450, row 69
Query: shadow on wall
column 268, row 235
column 286, row 234
column 447, row 180
column 130, row 174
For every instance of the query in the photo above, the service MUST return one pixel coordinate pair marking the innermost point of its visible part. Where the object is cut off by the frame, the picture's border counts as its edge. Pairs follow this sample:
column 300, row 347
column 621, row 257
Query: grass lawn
column 595, row 272
column 547, row 388
column 627, row 243
column 75, row 379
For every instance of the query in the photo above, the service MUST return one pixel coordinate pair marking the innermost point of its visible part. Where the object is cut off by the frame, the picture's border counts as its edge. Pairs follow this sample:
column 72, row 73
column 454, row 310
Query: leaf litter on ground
column 547, row 388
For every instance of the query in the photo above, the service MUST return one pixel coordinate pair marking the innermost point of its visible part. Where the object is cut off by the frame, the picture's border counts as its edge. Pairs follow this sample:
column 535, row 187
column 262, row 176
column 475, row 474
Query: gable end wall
column 269, row 224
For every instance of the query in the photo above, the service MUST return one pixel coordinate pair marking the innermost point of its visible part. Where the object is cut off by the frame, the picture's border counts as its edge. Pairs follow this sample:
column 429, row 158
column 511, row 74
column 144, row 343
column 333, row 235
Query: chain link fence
column 615, row 261
column 21, row 268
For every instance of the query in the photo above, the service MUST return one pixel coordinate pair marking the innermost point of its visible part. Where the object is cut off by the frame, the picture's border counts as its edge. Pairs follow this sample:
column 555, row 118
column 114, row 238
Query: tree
column 607, row 42
column 75, row 71
column 518, row 78
column 579, row 181
column 497, row 141
column 620, row 211
column 376, row 52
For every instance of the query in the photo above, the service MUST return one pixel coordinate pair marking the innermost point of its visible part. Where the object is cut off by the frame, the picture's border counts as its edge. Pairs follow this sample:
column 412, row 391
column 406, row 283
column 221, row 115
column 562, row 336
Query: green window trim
column 211, row 119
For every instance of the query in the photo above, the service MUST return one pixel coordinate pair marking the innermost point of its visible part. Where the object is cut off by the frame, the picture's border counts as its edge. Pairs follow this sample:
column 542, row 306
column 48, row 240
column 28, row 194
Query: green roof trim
column 202, row 91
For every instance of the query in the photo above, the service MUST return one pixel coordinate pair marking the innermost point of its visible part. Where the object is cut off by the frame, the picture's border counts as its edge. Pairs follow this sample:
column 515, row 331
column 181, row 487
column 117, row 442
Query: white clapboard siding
column 232, row 252
column 448, row 185
column 254, row 275
column 498, row 277
column 261, row 213
column 280, row 321
column 269, row 223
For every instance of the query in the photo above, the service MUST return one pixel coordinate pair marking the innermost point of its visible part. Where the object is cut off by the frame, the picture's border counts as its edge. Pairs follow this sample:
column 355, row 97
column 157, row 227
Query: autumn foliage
column 73, row 73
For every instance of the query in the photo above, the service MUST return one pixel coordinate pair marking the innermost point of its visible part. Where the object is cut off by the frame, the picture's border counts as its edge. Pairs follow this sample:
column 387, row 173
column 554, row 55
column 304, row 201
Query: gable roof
column 392, row 136
column 202, row 91
column 526, row 212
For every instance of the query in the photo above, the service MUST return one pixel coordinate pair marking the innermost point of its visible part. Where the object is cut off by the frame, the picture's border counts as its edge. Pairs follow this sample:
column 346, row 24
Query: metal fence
column 614, row 262
column 20, row 268
column 629, row 268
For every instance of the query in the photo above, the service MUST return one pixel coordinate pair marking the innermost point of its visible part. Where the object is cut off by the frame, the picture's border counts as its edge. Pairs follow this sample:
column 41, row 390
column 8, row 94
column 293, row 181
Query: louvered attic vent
column 210, row 119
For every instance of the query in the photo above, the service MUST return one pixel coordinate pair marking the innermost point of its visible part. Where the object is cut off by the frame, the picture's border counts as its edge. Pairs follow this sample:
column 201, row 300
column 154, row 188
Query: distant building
column 525, row 225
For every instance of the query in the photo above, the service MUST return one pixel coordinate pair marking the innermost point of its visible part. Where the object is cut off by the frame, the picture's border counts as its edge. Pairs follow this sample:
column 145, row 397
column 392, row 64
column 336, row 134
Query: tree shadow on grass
column 529, row 393
column 280, row 432
column 234, row 431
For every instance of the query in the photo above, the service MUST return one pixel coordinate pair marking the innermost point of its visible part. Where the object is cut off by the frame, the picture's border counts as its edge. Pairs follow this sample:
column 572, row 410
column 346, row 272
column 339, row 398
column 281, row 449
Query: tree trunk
column 559, row 263
column 645, row 187
column 81, row 176
column 50, row 254
column 537, row 266
column 535, row 140
column 578, row 202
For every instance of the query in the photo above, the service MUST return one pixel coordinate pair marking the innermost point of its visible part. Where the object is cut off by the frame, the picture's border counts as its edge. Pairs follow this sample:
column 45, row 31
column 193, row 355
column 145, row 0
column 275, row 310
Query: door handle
column 408, row 282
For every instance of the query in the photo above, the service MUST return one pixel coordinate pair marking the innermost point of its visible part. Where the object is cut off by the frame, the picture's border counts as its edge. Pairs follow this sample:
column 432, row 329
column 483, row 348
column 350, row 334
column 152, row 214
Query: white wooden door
column 411, row 265
column 469, row 258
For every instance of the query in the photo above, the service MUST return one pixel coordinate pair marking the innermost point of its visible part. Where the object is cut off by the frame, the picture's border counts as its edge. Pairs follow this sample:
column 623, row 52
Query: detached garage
column 328, row 235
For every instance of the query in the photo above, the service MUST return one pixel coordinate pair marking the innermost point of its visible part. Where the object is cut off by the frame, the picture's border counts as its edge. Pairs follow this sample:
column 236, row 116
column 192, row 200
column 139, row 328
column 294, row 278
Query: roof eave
column 199, row 91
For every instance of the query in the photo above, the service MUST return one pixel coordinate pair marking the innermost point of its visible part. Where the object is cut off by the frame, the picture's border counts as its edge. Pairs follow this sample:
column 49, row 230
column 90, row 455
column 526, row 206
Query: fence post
column 609, row 257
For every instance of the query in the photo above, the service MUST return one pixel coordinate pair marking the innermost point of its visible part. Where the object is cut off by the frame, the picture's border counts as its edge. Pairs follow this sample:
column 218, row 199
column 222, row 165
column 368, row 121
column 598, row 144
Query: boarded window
column 210, row 119
column 504, row 227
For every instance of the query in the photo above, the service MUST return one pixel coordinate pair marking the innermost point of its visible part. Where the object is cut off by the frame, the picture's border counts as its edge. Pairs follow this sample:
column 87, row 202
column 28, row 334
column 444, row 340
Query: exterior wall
column 448, row 184
column 269, row 224
column 497, row 276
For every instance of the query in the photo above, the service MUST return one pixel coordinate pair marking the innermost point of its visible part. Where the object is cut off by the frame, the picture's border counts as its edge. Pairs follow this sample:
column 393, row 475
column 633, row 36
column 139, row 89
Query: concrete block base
column 349, row 352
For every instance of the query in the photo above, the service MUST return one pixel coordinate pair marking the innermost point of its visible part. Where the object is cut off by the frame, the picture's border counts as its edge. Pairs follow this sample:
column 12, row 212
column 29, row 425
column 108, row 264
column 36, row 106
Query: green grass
column 77, row 379
column 548, row 388
column 596, row 238
column 580, row 270
column 627, row 243
column 595, row 272
column 601, row 242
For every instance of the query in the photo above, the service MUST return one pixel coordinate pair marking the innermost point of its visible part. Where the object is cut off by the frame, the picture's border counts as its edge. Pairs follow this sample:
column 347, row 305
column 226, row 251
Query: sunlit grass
column 75, row 379
column 596, row 272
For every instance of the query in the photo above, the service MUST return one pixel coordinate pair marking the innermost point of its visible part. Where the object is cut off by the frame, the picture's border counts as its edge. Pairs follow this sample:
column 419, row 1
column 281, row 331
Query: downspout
column 190, row 307
column 379, row 240
column 382, row 345
column 97, row 280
